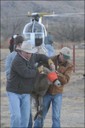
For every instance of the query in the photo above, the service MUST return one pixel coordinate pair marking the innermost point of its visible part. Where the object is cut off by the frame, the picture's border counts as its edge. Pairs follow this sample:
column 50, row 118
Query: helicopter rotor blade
column 44, row 14
column 64, row 15
column 41, row 14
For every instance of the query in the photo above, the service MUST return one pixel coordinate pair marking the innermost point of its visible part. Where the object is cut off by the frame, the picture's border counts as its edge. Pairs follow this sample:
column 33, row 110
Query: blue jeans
column 19, row 105
column 56, row 108
column 50, row 49
column 30, row 121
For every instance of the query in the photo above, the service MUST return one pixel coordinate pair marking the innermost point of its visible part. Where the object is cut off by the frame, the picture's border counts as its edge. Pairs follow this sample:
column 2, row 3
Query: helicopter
column 35, row 31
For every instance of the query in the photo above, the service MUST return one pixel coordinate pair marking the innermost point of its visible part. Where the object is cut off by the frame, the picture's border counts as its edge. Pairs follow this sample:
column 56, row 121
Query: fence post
column 74, row 57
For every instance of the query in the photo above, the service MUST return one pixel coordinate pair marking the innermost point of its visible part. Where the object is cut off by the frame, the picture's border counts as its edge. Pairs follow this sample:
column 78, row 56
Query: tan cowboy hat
column 27, row 47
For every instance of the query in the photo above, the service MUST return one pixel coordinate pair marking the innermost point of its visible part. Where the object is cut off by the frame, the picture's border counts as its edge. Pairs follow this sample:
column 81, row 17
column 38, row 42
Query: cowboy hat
column 27, row 47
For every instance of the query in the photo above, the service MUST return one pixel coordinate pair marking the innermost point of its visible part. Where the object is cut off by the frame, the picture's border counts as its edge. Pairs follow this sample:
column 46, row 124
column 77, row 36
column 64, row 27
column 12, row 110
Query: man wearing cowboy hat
column 17, row 44
column 20, row 83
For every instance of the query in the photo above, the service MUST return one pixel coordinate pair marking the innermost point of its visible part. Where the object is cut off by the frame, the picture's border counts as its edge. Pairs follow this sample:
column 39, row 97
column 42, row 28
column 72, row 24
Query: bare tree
column 67, row 31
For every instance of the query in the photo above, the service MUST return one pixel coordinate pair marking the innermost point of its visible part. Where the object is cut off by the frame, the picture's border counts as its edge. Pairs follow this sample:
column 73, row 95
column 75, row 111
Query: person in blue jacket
column 49, row 45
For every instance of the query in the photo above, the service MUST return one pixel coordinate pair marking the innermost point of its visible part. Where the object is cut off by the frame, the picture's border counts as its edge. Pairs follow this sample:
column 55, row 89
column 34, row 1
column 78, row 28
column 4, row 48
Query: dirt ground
column 72, row 114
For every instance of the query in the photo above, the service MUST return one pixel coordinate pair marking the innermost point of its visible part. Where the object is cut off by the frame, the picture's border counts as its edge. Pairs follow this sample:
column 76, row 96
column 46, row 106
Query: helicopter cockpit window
column 37, row 27
column 35, row 32
column 27, row 36
column 29, row 28
column 38, row 36
column 33, row 27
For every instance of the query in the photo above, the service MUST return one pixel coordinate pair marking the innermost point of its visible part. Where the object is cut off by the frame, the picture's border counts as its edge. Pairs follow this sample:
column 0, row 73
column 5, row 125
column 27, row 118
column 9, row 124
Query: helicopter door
column 38, row 39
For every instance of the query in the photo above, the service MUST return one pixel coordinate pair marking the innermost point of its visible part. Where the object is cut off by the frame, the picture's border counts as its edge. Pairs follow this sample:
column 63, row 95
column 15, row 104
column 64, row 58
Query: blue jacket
column 8, row 63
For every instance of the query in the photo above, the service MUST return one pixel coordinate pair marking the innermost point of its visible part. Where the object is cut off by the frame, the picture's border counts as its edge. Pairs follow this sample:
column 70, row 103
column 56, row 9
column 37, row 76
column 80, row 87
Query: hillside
column 22, row 7
column 11, row 24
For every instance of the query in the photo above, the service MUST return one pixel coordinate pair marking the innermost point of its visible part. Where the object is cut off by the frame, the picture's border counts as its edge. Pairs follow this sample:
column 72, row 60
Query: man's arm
column 20, row 67
column 45, row 61
column 65, row 77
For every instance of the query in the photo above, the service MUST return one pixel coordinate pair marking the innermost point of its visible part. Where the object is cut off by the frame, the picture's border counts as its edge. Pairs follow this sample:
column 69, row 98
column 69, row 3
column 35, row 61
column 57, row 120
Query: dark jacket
column 64, row 72
column 23, row 73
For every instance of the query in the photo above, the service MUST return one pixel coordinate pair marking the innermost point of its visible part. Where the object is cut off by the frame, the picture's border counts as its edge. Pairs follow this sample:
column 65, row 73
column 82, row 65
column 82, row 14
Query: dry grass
column 72, row 114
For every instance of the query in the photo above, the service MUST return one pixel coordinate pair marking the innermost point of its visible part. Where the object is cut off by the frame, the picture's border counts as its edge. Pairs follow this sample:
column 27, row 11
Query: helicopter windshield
column 37, row 27
column 33, row 27
column 35, row 32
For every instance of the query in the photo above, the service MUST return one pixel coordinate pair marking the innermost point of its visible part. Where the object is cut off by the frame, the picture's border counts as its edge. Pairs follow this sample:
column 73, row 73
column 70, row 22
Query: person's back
column 48, row 40
column 49, row 45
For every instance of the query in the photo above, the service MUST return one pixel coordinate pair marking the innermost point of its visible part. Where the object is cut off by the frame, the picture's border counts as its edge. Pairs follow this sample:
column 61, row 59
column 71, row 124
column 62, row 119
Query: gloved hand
column 46, row 70
column 50, row 62
column 40, row 69
column 51, row 65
